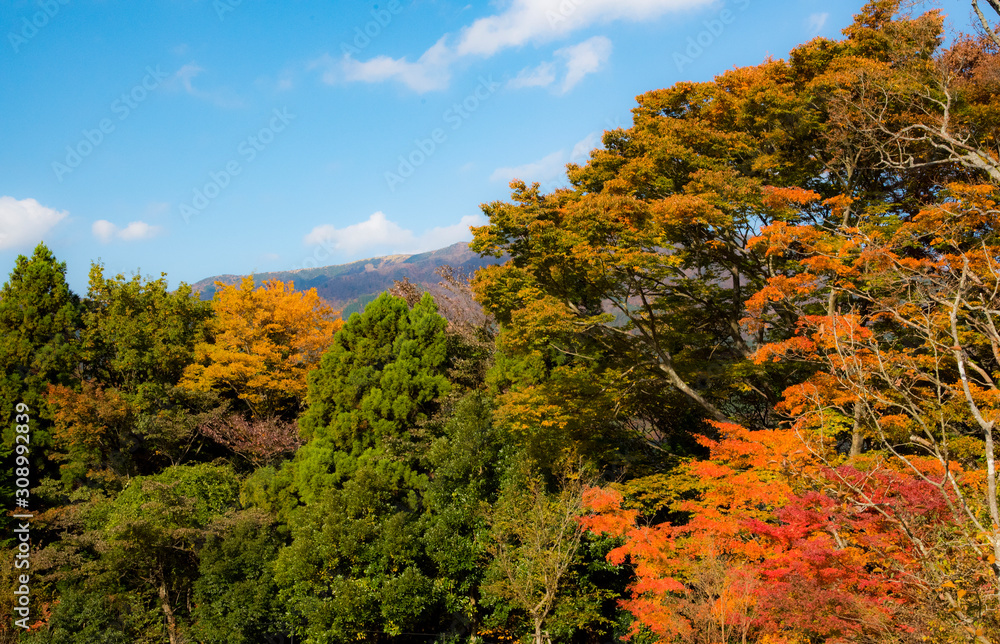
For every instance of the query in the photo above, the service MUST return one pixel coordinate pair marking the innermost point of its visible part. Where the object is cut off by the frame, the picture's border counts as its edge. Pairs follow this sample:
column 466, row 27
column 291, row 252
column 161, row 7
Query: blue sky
column 224, row 136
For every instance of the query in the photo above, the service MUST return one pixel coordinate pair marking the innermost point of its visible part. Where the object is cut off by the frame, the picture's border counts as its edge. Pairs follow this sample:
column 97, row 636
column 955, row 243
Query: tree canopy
column 735, row 383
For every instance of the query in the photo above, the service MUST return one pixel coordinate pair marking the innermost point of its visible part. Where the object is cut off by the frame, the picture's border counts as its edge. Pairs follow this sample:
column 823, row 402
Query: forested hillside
column 737, row 384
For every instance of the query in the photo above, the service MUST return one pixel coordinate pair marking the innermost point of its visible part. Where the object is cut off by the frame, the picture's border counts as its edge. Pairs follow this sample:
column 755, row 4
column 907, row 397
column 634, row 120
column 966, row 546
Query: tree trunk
column 857, row 438
column 169, row 612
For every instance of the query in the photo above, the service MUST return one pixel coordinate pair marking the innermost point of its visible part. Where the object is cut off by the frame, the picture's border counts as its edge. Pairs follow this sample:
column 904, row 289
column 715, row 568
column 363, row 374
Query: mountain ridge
column 349, row 287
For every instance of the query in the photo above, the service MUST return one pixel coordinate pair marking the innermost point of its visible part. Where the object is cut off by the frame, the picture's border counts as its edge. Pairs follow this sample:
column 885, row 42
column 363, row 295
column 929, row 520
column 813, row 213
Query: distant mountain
column 349, row 287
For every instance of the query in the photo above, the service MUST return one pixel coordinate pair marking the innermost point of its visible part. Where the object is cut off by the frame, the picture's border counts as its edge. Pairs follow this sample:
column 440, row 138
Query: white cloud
column 185, row 75
column 584, row 58
column 222, row 97
column 25, row 222
column 378, row 231
column 541, row 76
column 577, row 60
column 543, row 170
column 816, row 22
column 136, row 230
column 105, row 231
column 522, row 22
column 538, row 21
column 427, row 73
column 283, row 82
column 328, row 66
column 447, row 235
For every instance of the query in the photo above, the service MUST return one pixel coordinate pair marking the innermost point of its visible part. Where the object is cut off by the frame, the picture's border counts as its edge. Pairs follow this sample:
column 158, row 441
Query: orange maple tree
column 694, row 578
column 769, row 544
column 901, row 319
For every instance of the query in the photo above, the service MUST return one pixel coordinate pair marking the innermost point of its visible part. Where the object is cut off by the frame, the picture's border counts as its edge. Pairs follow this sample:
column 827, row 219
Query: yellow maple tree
column 263, row 342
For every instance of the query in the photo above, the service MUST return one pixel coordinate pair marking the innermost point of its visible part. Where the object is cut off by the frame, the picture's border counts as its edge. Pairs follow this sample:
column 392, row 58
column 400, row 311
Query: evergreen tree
column 39, row 347
column 39, row 328
column 357, row 562
column 380, row 376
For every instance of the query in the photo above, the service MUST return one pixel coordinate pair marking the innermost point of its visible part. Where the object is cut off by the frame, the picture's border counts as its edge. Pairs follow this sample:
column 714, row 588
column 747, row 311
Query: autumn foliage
column 777, row 544
column 264, row 342
column 871, row 513
column 737, row 384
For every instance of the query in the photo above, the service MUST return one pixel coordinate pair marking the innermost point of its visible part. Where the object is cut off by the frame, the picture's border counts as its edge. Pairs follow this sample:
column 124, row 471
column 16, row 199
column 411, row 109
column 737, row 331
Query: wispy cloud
column 543, row 170
column 284, row 81
column 542, row 75
column 581, row 151
column 105, row 231
column 220, row 97
column 157, row 209
column 24, row 222
column 584, row 58
column 378, row 231
column 521, row 23
column 429, row 72
column 573, row 63
column 816, row 21
column 550, row 168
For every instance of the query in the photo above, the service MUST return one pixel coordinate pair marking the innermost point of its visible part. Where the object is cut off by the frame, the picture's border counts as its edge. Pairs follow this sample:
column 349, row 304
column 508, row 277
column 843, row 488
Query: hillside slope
column 348, row 287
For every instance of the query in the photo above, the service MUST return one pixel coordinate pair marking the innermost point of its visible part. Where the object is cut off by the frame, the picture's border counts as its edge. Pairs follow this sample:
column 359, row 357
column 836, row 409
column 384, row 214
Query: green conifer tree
column 380, row 376
column 39, row 328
